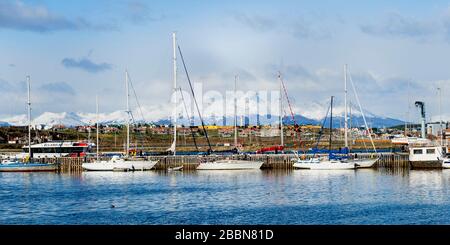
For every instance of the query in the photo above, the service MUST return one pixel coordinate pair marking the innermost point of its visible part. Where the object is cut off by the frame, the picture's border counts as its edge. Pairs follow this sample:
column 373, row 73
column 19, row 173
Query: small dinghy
column 180, row 168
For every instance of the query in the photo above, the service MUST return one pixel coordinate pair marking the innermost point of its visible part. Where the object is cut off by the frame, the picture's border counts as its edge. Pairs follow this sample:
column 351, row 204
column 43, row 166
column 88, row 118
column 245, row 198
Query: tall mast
column 235, row 112
column 281, row 110
column 96, row 119
column 345, row 108
column 408, row 112
column 440, row 116
column 350, row 120
column 174, row 39
column 89, row 134
column 29, row 117
column 128, row 114
column 331, row 121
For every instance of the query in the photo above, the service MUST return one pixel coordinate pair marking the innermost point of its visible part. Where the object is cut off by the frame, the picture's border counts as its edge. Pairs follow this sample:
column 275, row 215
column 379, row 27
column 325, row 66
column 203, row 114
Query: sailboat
column 360, row 163
column 14, row 165
column 278, row 149
column 333, row 162
column 352, row 163
column 173, row 147
column 231, row 164
column 117, row 163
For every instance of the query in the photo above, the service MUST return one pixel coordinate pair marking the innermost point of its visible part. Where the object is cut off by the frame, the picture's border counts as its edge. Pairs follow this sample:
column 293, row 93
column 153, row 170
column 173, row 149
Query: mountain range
column 315, row 116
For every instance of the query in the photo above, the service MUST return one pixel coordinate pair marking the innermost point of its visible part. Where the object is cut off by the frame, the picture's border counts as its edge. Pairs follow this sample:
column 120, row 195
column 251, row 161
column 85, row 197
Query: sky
column 397, row 52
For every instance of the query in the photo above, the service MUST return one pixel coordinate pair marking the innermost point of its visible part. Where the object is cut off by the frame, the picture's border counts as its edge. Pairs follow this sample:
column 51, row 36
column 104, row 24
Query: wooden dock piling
column 189, row 163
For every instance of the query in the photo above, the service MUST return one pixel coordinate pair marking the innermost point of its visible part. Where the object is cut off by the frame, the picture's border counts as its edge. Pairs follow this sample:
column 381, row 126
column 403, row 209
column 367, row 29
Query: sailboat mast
column 235, row 112
column 408, row 112
column 174, row 39
column 96, row 119
column 128, row 113
column 281, row 110
column 29, row 117
column 345, row 108
column 331, row 121
column 440, row 116
column 350, row 120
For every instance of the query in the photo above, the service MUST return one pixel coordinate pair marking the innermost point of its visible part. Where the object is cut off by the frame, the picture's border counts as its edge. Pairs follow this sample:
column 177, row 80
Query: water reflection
column 393, row 171
column 363, row 196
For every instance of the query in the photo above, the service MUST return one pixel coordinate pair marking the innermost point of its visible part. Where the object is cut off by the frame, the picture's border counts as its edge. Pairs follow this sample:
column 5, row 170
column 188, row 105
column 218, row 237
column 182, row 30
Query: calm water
column 227, row 197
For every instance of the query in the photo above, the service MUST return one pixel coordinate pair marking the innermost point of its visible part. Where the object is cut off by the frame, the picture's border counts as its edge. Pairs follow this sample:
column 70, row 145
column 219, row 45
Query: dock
column 190, row 163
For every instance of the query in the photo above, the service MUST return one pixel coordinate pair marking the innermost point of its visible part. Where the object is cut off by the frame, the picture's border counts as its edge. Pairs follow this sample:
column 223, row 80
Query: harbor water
column 372, row 196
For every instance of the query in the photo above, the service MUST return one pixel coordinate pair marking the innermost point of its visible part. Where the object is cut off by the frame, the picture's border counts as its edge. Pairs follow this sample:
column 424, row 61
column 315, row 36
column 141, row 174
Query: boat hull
column 31, row 167
column 180, row 168
column 325, row 165
column 366, row 163
column 426, row 164
column 119, row 165
column 446, row 163
column 230, row 165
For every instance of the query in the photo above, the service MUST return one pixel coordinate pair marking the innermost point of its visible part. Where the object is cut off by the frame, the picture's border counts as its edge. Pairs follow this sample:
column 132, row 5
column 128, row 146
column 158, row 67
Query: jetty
column 190, row 162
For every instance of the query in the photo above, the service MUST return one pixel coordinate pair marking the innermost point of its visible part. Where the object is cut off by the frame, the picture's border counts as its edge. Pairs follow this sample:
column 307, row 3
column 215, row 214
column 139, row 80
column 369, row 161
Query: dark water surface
column 227, row 197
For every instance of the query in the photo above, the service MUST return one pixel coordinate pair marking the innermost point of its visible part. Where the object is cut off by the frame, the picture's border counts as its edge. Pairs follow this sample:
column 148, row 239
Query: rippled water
column 227, row 197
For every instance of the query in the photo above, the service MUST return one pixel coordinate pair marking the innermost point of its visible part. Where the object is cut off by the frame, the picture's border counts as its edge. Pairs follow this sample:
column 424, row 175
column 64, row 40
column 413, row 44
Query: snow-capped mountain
column 311, row 113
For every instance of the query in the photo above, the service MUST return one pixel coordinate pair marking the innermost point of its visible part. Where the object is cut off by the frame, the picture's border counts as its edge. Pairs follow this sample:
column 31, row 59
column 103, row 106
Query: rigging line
column 362, row 113
column 189, row 119
column 195, row 100
column 140, row 110
column 331, row 123
column 140, row 135
column 292, row 135
column 292, row 112
column 321, row 130
column 135, row 96
column 363, row 141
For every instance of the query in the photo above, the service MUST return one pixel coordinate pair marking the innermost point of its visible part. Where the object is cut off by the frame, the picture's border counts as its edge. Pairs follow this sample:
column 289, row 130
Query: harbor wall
column 271, row 161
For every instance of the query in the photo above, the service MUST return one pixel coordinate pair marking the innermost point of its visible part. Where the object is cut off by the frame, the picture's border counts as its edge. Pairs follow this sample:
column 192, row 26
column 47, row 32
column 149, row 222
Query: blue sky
column 74, row 50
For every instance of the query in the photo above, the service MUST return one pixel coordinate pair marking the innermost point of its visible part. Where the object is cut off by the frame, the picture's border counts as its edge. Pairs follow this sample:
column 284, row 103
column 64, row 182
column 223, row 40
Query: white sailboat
column 230, row 164
column 118, row 163
column 328, row 164
column 360, row 163
column 173, row 147
column 343, row 163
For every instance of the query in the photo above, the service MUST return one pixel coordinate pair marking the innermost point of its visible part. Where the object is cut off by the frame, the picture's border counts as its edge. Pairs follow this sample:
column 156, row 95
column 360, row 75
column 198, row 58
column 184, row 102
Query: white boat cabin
column 426, row 153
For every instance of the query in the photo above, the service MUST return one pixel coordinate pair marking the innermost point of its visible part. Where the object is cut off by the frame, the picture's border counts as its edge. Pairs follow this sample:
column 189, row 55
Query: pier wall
column 271, row 161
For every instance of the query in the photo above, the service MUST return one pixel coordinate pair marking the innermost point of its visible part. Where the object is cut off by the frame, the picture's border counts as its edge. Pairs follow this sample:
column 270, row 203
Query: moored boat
column 230, row 165
column 28, row 167
column 365, row 163
column 15, row 165
column 119, row 163
column 324, row 165
column 426, row 156
column 446, row 162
